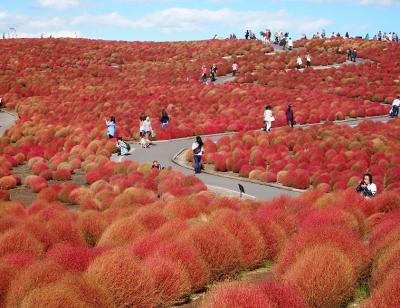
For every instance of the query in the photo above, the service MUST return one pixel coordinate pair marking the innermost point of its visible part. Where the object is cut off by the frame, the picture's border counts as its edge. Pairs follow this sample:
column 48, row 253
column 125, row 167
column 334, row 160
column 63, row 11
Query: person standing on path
column 308, row 60
column 148, row 131
column 111, row 127
column 247, row 35
column 349, row 54
column 213, row 72
column 354, row 55
column 198, row 151
column 395, row 107
column 268, row 118
column 235, row 68
column 299, row 62
column 204, row 73
column 290, row 43
column 290, row 116
column 164, row 119
column 142, row 132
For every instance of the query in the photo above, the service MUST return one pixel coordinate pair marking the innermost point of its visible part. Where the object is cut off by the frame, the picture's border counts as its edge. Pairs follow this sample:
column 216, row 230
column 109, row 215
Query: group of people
column 146, row 131
column 352, row 54
column 390, row 37
column 269, row 117
column 249, row 35
column 281, row 39
column 213, row 73
column 299, row 61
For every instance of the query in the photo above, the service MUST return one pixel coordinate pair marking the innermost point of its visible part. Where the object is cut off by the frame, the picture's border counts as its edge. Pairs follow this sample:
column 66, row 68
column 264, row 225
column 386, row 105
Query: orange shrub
column 323, row 275
column 126, row 279
column 217, row 247
column 252, row 245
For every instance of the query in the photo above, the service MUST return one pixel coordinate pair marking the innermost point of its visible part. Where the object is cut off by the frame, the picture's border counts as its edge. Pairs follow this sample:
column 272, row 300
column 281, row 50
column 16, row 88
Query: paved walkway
column 165, row 151
column 6, row 121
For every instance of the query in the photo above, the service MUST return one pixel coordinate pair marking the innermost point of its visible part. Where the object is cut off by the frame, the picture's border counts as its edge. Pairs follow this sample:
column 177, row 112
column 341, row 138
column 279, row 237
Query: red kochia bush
column 237, row 295
column 348, row 243
column 36, row 275
column 71, row 258
column 323, row 275
column 387, row 294
column 35, row 183
column 217, row 247
column 125, row 278
column 20, row 241
column 8, row 182
column 70, row 291
column 188, row 257
column 7, row 274
column 251, row 242
column 171, row 279
column 274, row 235
column 122, row 231
column 282, row 295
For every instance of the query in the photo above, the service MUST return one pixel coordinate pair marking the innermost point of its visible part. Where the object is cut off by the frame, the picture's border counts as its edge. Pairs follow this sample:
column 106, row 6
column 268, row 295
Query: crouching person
column 123, row 148
column 366, row 187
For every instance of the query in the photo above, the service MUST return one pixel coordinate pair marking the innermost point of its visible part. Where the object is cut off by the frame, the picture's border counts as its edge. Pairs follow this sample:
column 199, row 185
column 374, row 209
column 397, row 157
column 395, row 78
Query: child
column 268, row 118
column 111, row 127
column 123, row 148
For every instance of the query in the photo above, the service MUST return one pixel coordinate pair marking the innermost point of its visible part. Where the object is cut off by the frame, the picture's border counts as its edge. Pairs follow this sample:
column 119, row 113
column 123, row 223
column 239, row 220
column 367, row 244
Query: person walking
column 354, row 55
column 204, row 73
column 164, row 119
column 290, row 43
column 268, row 118
column 142, row 133
column 290, row 116
column 299, row 62
column 213, row 72
column 247, row 35
column 308, row 60
column 395, row 107
column 366, row 187
column 235, row 68
column 198, row 151
column 148, row 131
column 111, row 126
column 349, row 54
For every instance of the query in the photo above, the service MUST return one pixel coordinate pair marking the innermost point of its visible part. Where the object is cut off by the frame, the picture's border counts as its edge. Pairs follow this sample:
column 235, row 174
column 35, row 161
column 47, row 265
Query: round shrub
column 217, row 247
column 170, row 277
column 237, row 295
column 122, row 231
column 323, row 275
column 126, row 279
column 36, row 275
column 249, row 238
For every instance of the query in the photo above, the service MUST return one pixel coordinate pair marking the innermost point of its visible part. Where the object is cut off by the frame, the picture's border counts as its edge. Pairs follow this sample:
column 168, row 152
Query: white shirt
column 147, row 126
column 308, row 58
column 299, row 61
column 396, row 102
column 290, row 43
column 372, row 188
column 234, row 67
column 268, row 115
column 195, row 145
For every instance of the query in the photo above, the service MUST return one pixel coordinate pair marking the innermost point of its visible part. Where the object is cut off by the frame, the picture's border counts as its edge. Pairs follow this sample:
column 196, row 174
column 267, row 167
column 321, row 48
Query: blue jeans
column 197, row 163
